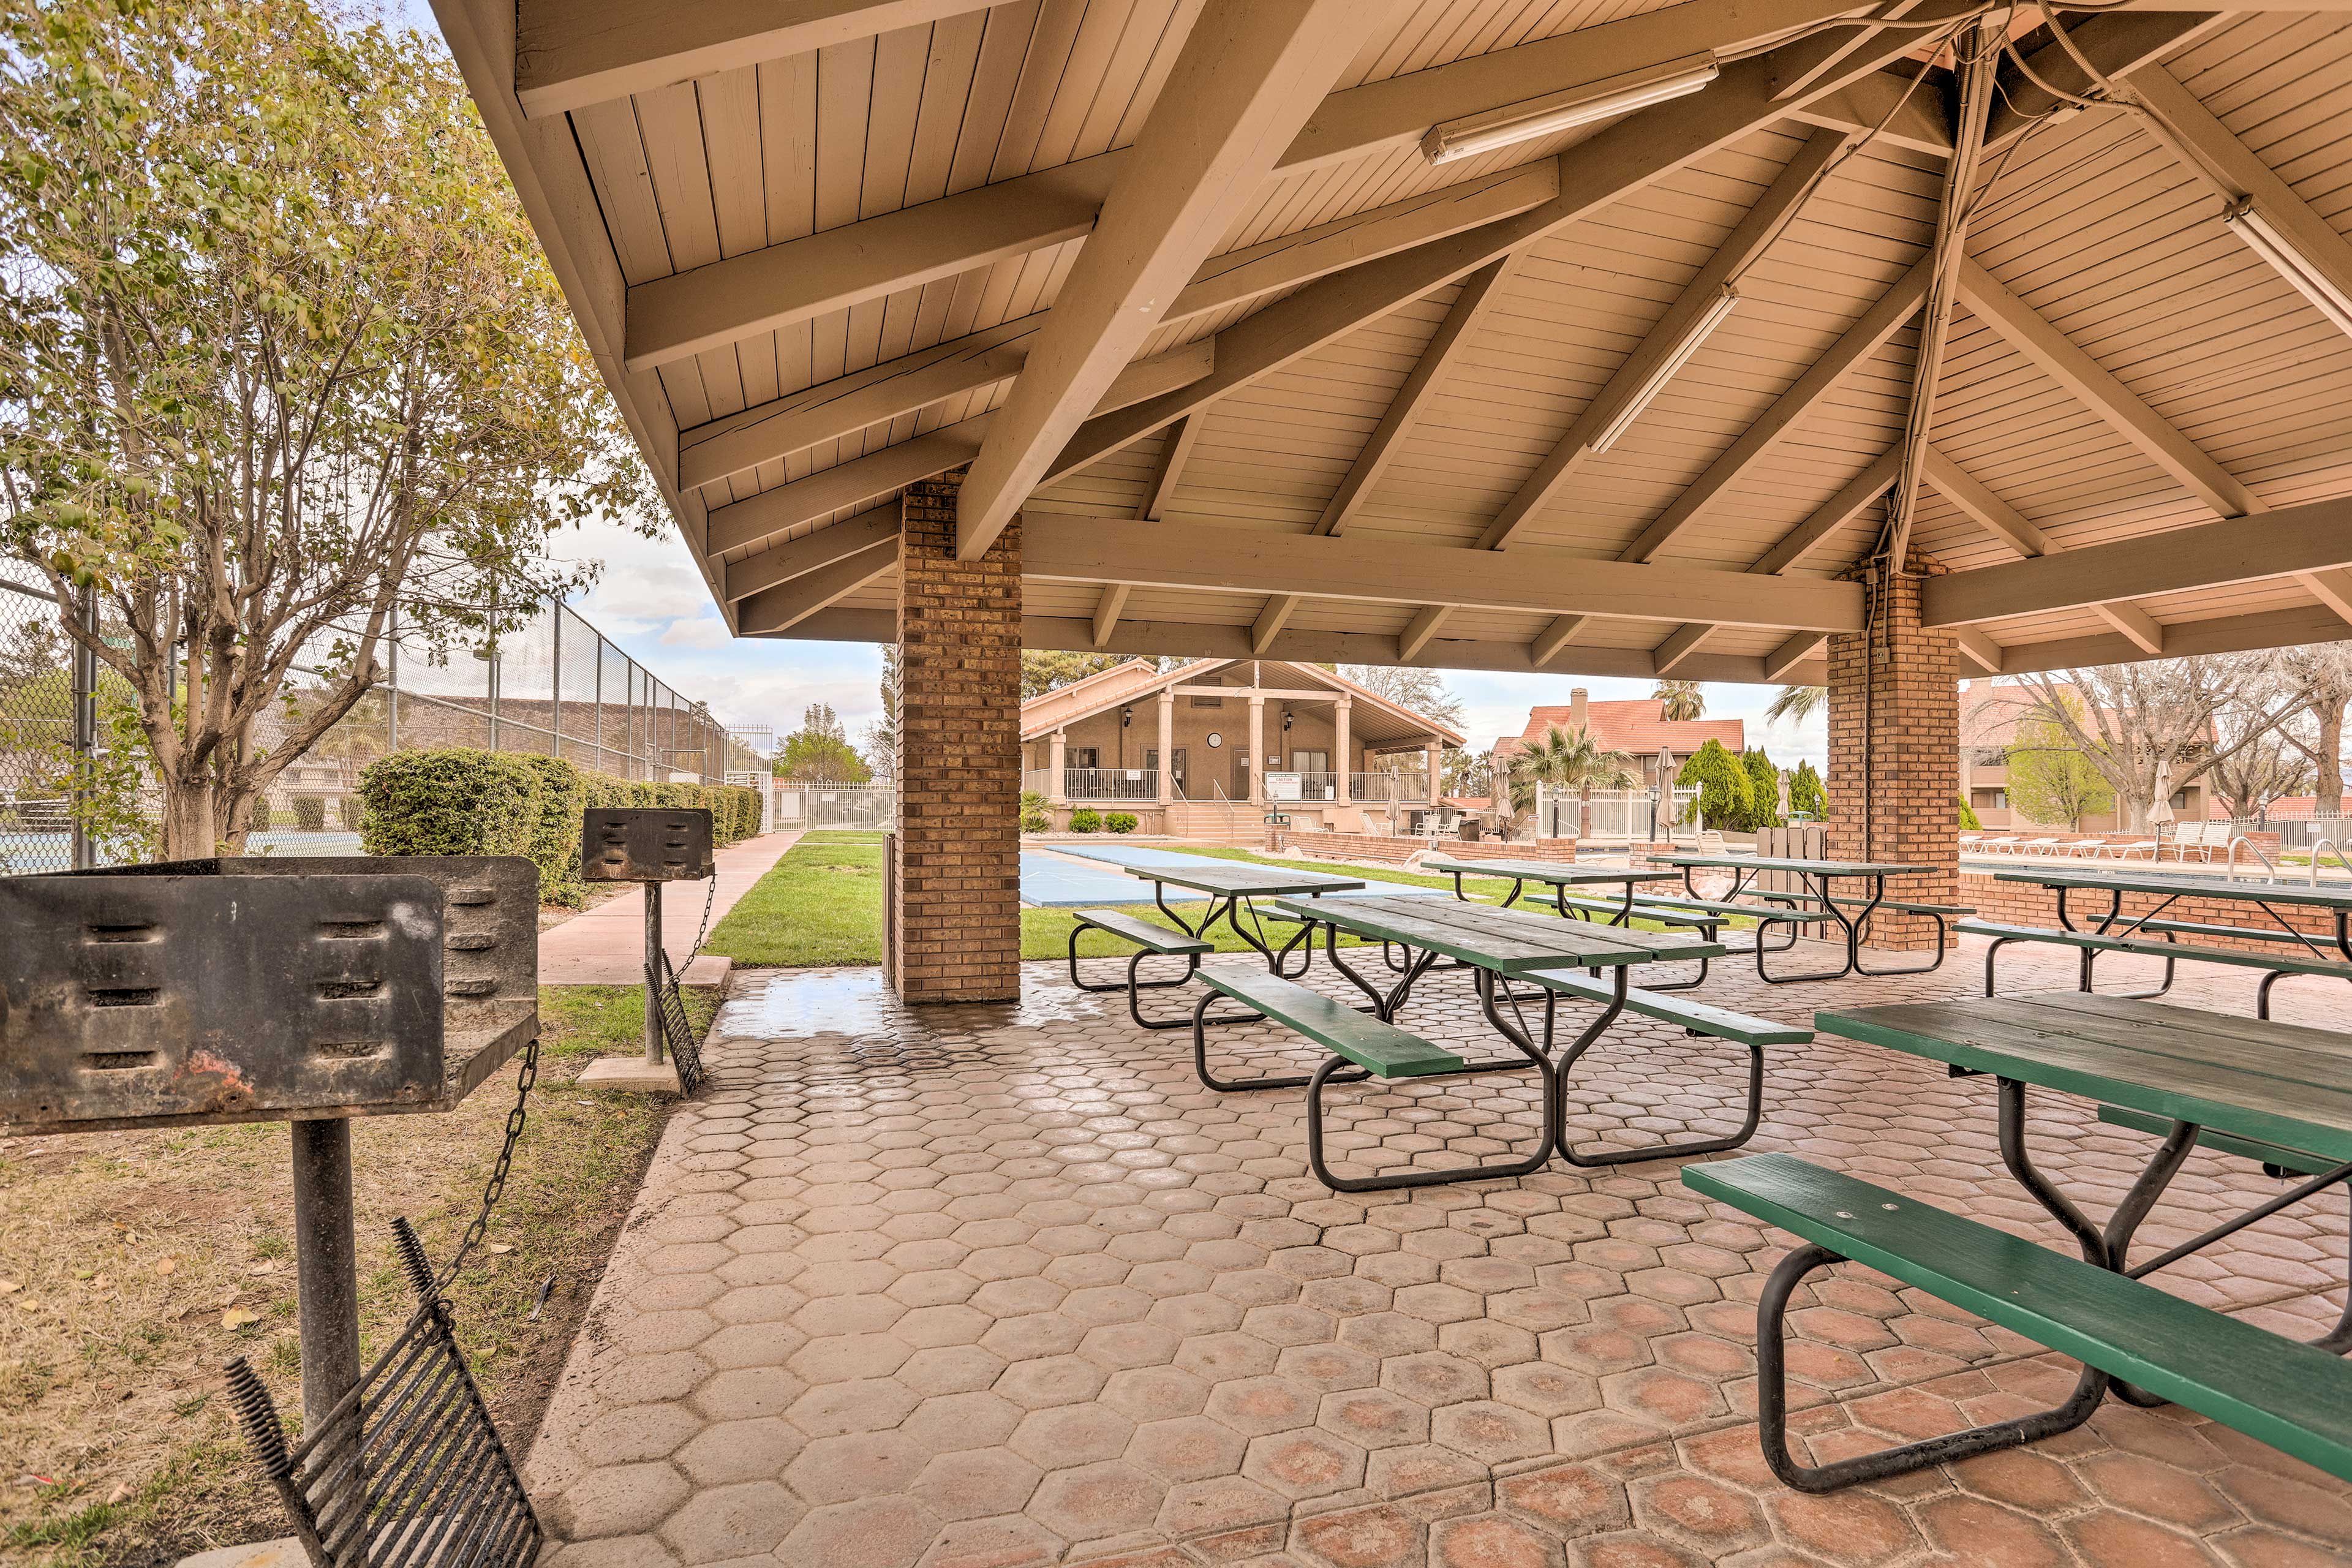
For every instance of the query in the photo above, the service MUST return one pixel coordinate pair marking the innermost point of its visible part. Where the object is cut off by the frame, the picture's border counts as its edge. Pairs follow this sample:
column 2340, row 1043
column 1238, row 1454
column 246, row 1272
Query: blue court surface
column 1050, row 882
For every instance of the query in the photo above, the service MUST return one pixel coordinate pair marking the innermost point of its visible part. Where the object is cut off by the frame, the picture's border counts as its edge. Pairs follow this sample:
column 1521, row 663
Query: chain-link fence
column 556, row 687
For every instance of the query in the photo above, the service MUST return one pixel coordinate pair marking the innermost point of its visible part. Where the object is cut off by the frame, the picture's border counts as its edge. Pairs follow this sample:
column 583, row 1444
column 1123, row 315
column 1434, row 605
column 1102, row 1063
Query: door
column 1177, row 769
column 1239, row 788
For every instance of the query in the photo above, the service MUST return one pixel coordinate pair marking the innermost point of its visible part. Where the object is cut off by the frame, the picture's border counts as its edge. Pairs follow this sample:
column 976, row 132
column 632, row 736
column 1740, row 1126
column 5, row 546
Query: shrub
column 1806, row 794
column 1725, row 794
column 1119, row 821
column 262, row 814
column 1086, row 819
column 1764, row 791
column 456, row 800
column 310, row 811
column 555, row 828
column 1032, row 812
column 1969, row 819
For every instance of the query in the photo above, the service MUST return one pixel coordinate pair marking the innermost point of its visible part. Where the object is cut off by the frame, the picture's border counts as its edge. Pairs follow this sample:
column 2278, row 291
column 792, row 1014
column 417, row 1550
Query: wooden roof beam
column 1108, row 609
column 570, row 54
column 1800, row 648
column 1632, row 153
column 1981, row 648
column 2118, row 44
column 785, row 606
column 1991, row 514
column 1420, row 630
column 1249, row 74
column 1857, row 343
column 1553, row 640
column 1679, row 645
column 811, row 551
column 2101, row 394
column 1747, row 241
column 852, row 483
column 1073, row 548
column 1835, row 513
column 2135, row 624
column 678, row 317
column 2289, row 541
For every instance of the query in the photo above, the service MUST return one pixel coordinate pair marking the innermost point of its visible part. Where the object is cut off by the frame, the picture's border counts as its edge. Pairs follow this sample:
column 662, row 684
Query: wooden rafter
column 811, row 551
column 785, row 606
column 1679, row 645
column 1835, row 514
column 1249, row 74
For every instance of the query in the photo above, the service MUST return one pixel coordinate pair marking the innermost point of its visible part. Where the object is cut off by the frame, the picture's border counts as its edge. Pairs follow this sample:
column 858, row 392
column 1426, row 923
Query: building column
column 1434, row 756
column 1257, row 749
column 1895, row 753
column 1342, row 757
column 1057, row 780
column 955, row 922
column 1167, row 746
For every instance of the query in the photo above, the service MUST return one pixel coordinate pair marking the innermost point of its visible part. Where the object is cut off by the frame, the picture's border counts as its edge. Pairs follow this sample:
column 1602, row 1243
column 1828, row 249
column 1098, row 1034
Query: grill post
column 326, row 1264
column 652, row 972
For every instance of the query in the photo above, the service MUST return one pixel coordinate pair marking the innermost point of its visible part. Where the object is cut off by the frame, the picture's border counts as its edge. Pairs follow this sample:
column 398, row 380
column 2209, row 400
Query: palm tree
column 1796, row 702
column 1683, row 699
column 1571, row 758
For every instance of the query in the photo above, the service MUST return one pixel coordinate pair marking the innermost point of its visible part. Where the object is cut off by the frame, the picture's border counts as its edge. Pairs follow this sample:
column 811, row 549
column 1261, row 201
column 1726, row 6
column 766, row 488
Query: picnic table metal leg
column 1567, row 1061
column 1541, row 1156
column 1853, row 940
column 1200, row 1020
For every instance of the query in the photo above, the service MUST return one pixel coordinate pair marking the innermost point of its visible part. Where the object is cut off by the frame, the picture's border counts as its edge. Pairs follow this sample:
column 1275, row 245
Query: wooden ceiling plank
column 811, row 551
column 2317, row 537
column 1418, row 631
column 1553, row 640
column 1679, row 645
column 1067, row 548
column 1835, row 514
column 2134, row 623
column 1631, row 153
column 1996, row 516
column 1854, row 345
column 775, row 609
column 1755, row 231
column 2118, row 45
column 1480, row 293
column 570, row 54
column 1980, row 647
column 2057, row 357
column 1250, row 73
column 1108, row 611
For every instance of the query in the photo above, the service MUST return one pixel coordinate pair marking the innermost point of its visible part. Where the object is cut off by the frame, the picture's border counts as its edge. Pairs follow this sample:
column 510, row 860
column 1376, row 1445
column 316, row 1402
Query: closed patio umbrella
column 1666, row 806
column 2159, row 811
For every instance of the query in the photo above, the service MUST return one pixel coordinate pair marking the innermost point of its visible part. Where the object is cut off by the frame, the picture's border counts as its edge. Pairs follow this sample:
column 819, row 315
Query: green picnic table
column 1579, row 959
column 1558, row 876
column 1235, row 886
column 1820, row 877
column 2234, row 1083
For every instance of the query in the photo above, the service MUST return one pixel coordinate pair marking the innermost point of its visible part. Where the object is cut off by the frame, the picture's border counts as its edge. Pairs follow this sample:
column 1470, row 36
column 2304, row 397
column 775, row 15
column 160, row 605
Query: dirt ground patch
column 134, row 1265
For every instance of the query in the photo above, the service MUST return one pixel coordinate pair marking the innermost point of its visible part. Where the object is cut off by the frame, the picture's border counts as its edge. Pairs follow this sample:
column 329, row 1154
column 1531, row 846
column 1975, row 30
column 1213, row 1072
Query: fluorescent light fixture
column 1663, row 371
column 2249, row 224
column 1533, row 117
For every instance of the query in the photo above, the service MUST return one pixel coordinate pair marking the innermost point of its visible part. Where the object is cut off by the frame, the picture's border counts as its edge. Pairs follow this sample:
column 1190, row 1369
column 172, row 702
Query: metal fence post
column 85, row 730
column 555, row 686
column 392, row 692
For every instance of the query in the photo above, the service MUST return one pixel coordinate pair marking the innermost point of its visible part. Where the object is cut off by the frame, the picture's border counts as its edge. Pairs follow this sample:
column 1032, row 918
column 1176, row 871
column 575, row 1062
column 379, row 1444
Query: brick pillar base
column 956, row 935
column 1895, row 795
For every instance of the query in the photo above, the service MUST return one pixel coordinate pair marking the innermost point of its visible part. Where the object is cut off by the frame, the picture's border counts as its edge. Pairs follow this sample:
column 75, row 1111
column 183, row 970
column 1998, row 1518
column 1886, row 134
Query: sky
column 653, row 602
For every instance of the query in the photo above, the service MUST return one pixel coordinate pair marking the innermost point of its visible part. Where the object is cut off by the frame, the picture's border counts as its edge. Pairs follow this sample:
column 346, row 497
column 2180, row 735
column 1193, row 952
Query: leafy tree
column 1806, row 794
column 1043, row 670
column 881, row 748
column 1683, row 698
column 1725, row 794
column 1798, row 702
column 1763, row 790
column 1569, row 757
column 1970, row 821
column 1467, row 774
column 819, row 750
column 278, row 353
column 2051, row 780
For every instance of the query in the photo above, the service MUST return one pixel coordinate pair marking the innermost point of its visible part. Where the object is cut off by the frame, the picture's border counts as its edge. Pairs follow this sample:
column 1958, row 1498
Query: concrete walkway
column 607, row 945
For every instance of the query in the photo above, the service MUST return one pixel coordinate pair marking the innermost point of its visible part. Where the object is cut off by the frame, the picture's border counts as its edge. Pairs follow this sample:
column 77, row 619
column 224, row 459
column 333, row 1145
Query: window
column 1208, row 702
column 2179, row 799
column 1083, row 757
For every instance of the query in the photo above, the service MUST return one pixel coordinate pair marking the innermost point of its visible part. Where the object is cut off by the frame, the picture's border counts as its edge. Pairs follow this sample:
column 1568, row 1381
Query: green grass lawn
column 822, row 904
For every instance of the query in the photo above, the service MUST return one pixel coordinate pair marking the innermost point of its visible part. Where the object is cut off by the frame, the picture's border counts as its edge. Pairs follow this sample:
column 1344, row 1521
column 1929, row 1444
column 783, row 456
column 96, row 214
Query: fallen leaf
column 9, row 1287
column 121, row 1491
column 268, row 1266
column 238, row 1317
column 501, row 1247
column 166, row 1265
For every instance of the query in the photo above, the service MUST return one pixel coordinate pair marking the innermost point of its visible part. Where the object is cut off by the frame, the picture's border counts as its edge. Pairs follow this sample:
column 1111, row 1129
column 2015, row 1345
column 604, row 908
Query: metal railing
column 2230, row 867
column 1110, row 784
column 1381, row 786
column 1305, row 788
column 2327, row 846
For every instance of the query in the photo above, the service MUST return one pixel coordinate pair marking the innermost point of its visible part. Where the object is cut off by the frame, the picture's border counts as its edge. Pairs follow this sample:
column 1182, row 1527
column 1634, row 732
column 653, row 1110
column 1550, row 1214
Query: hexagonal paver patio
column 995, row 1287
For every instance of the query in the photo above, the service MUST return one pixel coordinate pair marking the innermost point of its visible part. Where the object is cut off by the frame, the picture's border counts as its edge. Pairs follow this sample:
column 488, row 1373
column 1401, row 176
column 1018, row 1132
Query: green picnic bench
column 2296, row 1397
column 2091, row 944
column 1149, row 940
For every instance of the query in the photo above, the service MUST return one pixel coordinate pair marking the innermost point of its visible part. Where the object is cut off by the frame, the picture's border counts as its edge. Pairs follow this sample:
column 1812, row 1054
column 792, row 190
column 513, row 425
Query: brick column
column 958, row 934
column 1896, row 796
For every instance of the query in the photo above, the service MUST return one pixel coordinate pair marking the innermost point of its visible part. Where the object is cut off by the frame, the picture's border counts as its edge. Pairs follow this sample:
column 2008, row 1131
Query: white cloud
column 707, row 632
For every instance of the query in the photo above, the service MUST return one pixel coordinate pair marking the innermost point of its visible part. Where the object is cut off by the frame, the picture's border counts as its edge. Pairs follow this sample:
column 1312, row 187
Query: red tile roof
column 1637, row 725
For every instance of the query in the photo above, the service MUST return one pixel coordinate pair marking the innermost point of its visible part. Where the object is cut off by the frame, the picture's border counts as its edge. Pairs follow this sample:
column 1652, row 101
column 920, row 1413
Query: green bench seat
column 2201, row 928
column 1648, row 905
column 2275, row 966
column 1382, row 1049
column 1142, row 932
column 1698, row 1017
column 2275, row 1156
column 2293, row 1396
column 1905, row 906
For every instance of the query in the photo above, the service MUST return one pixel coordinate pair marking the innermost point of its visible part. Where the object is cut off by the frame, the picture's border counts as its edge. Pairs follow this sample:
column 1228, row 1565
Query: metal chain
column 495, row 1188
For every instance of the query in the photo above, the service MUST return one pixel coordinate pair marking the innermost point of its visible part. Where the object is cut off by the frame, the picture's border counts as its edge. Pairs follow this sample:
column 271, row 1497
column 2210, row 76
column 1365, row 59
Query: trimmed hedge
column 461, row 801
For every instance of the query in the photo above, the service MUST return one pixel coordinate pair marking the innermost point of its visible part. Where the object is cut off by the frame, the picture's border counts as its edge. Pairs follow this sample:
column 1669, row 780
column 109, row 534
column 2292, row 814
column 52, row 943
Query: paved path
column 1003, row 1287
column 607, row 945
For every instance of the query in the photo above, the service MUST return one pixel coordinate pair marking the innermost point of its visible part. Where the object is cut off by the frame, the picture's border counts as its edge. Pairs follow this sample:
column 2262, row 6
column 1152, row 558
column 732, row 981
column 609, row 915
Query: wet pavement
column 989, row 1287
